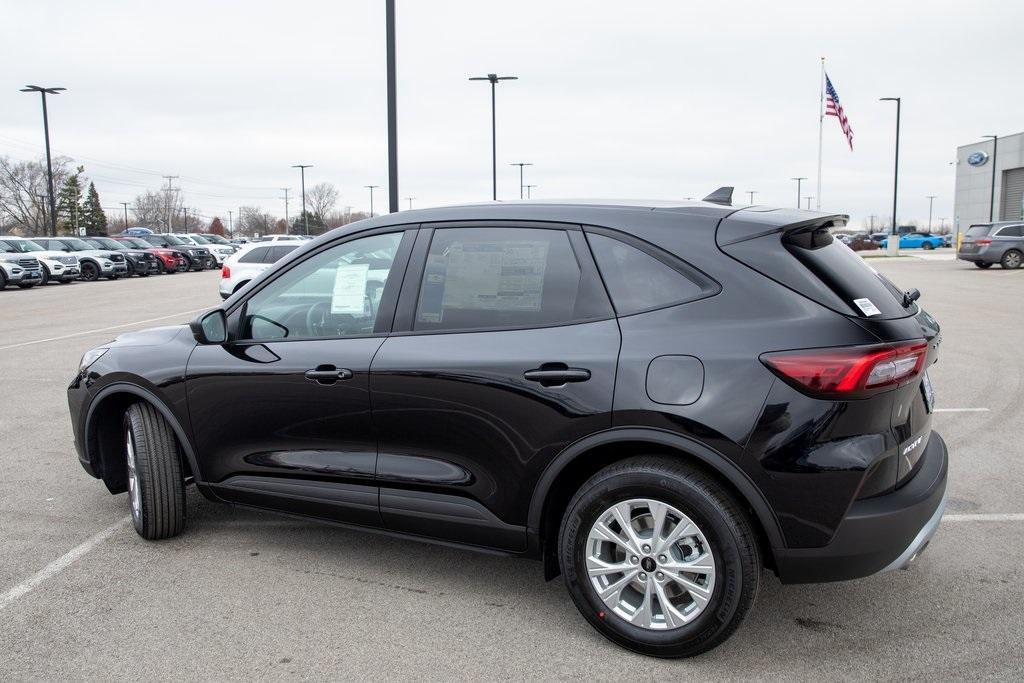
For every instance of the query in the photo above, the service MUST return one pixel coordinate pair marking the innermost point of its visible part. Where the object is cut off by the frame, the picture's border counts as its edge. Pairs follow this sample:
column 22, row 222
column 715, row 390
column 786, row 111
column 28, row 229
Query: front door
column 504, row 353
column 281, row 413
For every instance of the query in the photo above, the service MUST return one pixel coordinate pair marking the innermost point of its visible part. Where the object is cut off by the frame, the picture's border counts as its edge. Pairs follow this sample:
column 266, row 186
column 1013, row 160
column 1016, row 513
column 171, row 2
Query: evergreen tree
column 316, row 224
column 95, row 219
column 70, row 214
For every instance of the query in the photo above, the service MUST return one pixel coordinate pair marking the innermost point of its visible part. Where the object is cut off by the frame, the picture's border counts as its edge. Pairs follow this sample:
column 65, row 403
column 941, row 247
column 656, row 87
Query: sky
column 647, row 100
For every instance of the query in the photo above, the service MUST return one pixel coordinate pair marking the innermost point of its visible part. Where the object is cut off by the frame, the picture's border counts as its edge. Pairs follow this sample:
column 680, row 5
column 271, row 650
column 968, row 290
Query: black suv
column 657, row 400
column 139, row 261
column 196, row 258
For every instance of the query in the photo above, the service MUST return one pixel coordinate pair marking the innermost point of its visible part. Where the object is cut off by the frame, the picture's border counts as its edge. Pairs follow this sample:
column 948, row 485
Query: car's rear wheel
column 1011, row 259
column 982, row 265
column 46, row 276
column 156, row 485
column 90, row 273
column 182, row 267
column 659, row 558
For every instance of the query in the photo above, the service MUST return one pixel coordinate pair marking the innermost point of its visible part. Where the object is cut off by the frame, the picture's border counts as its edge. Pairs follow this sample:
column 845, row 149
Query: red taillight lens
column 225, row 272
column 983, row 242
column 850, row 372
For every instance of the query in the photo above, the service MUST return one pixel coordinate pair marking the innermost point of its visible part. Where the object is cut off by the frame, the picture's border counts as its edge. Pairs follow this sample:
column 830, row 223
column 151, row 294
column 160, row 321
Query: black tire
column 90, row 271
column 729, row 534
column 184, row 267
column 159, row 477
column 1011, row 259
column 28, row 285
column 982, row 265
column 927, row 246
column 131, row 269
column 3, row 280
column 46, row 276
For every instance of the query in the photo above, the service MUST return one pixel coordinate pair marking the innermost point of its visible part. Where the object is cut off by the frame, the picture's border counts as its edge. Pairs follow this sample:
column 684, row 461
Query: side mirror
column 210, row 327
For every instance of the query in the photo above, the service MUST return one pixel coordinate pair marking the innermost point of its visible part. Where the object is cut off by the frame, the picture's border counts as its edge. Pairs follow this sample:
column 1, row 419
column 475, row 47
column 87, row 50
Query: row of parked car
column 27, row 262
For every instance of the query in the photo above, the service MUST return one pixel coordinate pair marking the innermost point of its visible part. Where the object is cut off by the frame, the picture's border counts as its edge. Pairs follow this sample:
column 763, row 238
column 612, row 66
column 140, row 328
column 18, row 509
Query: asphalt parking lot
column 251, row 595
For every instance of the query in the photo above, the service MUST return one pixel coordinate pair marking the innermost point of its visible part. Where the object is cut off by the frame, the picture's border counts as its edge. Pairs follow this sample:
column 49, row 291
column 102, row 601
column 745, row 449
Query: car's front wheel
column 156, row 485
column 90, row 272
column 659, row 558
column 1011, row 260
column 46, row 276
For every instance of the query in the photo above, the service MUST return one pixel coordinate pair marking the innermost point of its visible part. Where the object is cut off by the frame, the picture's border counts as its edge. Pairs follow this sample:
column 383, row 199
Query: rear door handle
column 328, row 374
column 555, row 377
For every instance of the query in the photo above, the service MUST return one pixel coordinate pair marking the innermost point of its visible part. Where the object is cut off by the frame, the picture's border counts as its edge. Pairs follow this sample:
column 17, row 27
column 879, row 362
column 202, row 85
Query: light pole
column 49, row 164
column 752, row 193
column 520, row 164
column 528, row 188
column 125, row 205
column 992, row 190
column 942, row 224
column 493, row 79
column 808, row 202
column 894, row 244
column 371, row 188
column 305, row 216
column 409, row 199
column 798, row 181
column 231, row 227
column 389, row 22
column 931, row 200
column 286, row 220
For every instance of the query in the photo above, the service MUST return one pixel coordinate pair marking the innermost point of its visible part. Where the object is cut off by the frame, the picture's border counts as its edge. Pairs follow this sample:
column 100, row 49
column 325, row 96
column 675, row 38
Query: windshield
column 107, row 243
column 216, row 239
column 21, row 246
column 171, row 239
column 137, row 243
column 76, row 244
column 199, row 239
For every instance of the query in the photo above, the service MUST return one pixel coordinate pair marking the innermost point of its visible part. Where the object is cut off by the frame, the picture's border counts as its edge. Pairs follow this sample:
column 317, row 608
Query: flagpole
column 821, row 127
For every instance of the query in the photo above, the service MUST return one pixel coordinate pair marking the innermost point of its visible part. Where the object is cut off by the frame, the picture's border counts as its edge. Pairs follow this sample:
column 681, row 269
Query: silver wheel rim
column 1012, row 260
column 650, row 564
column 134, row 494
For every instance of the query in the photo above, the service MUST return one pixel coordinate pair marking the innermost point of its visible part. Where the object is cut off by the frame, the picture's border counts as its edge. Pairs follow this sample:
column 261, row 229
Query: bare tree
column 24, row 199
column 149, row 210
column 253, row 220
column 320, row 199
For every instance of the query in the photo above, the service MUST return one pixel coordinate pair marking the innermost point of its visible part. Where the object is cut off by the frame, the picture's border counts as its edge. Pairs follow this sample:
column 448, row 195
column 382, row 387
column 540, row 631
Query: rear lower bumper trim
column 922, row 539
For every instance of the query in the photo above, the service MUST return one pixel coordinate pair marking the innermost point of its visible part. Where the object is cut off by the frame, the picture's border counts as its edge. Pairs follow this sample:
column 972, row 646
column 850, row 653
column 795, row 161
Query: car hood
column 154, row 336
column 95, row 253
column 50, row 254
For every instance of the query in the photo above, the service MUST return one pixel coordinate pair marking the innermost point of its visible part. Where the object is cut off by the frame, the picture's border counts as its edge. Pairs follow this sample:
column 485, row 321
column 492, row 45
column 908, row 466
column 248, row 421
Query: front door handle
column 328, row 374
column 556, row 374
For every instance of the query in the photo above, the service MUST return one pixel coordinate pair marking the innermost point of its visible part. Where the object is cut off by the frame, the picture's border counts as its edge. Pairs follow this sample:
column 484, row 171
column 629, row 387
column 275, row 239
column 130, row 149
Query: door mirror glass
column 211, row 327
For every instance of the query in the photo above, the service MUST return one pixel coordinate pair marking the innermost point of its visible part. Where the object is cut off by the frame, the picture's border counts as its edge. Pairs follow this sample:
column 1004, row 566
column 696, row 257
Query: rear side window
column 978, row 230
column 257, row 255
column 637, row 281
column 486, row 278
column 278, row 253
column 1011, row 231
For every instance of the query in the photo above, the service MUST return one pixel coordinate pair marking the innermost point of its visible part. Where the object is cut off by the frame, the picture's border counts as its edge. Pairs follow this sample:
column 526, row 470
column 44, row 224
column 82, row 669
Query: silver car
column 986, row 244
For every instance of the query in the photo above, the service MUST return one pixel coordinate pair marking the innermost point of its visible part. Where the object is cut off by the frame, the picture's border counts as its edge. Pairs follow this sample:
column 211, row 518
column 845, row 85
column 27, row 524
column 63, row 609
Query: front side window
column 335, row 293
column 485, row 278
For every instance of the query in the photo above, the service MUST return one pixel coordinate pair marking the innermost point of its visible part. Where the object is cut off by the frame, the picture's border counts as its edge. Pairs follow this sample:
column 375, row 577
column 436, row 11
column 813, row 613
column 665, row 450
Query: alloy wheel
column 134, row 492
column 89, row 272
column 1011, row 259
column 650, row 564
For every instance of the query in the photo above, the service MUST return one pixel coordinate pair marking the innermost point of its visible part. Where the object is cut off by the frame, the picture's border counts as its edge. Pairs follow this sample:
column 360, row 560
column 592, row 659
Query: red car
column 170, row 261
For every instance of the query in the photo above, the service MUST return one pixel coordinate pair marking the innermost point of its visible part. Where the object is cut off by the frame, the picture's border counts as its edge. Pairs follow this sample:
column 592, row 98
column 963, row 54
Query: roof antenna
column 722, row 195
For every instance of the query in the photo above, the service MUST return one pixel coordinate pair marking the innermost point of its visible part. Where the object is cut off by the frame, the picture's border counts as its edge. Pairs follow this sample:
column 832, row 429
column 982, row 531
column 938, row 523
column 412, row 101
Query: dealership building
column 978, row 166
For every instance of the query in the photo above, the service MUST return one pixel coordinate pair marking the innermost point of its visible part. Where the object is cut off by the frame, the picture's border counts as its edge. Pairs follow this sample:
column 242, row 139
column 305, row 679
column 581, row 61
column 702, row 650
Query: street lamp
column 305, row 217
column 520, row 164
column 49, row 164
column 931, row 200
column 493, row 79
column 389, row 25
column 125, row 205
column 992, row 190
column 371, row 188
column 409, row 199
column 798, row 180
column 752, row 193
column 808, row 202
column 528, row 188
column 894, row 244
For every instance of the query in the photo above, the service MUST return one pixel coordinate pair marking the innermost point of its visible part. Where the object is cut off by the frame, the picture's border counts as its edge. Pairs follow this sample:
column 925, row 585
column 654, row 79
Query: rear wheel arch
column 577, row 463
column 104, row 438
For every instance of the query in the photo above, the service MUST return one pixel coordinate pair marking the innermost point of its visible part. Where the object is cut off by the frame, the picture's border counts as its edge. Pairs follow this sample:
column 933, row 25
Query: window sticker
column 505, row 276
column 349, row 294
column 866, row 307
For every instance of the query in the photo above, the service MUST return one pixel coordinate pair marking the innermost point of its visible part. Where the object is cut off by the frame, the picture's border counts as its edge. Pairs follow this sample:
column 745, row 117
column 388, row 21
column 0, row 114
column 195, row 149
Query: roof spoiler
column 722, row 195
column 748, row 224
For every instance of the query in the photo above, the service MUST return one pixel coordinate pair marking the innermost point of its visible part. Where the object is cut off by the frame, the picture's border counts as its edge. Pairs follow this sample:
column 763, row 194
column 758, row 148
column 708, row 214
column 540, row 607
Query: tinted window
column 637, row 281
column 257, row 255
column 978, row 230
column 1011, row 231
column 335, row 293
column 479, row 278
column 277, row 253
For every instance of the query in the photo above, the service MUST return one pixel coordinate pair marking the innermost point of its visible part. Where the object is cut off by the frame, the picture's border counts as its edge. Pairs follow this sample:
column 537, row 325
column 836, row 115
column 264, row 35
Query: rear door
column 503, row 354
column 969, row 244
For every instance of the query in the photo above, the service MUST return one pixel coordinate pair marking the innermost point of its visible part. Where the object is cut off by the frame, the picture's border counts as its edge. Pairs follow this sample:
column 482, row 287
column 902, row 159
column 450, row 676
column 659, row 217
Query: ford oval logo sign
column 978, row 159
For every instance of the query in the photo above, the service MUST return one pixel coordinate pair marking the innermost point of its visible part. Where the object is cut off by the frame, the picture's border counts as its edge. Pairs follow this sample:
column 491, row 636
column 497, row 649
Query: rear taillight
column 985, row 241
column 225, row 272
column 849, row 372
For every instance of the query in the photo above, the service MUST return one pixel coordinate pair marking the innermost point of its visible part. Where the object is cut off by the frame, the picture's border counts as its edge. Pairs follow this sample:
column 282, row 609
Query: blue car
column 918, row 240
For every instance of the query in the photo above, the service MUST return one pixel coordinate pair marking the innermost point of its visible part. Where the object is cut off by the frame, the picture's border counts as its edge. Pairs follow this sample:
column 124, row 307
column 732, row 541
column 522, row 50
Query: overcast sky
column 662, row 100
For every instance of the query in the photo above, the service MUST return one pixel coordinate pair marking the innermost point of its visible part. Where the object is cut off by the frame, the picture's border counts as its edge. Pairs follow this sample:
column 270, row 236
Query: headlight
column 91, row 357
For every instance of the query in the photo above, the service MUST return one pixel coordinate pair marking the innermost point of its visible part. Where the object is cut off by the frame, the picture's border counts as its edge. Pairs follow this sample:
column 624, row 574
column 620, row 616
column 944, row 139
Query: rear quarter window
column 257, row 255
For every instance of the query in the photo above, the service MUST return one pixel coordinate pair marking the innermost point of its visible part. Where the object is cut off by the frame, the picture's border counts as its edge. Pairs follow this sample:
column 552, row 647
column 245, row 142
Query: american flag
column 833, row 108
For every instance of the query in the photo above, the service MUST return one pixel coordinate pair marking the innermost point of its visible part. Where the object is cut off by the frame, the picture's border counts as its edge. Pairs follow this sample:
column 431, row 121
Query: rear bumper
column 878, row 534
column 984, row 256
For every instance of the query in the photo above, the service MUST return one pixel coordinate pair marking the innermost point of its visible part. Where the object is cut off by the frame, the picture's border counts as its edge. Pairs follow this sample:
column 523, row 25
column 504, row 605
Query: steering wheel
column 316, row 318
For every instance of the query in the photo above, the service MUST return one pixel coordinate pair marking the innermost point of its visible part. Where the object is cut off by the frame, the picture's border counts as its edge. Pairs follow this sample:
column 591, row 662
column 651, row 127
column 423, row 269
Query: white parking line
column 986, row 517
column 102, row 329
column 961, row 410
column 59, row 565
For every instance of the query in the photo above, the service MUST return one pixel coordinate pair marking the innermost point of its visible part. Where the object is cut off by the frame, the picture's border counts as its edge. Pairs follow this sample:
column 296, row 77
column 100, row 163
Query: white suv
column 250, row 261
column 57, row 266
column 278, row 238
